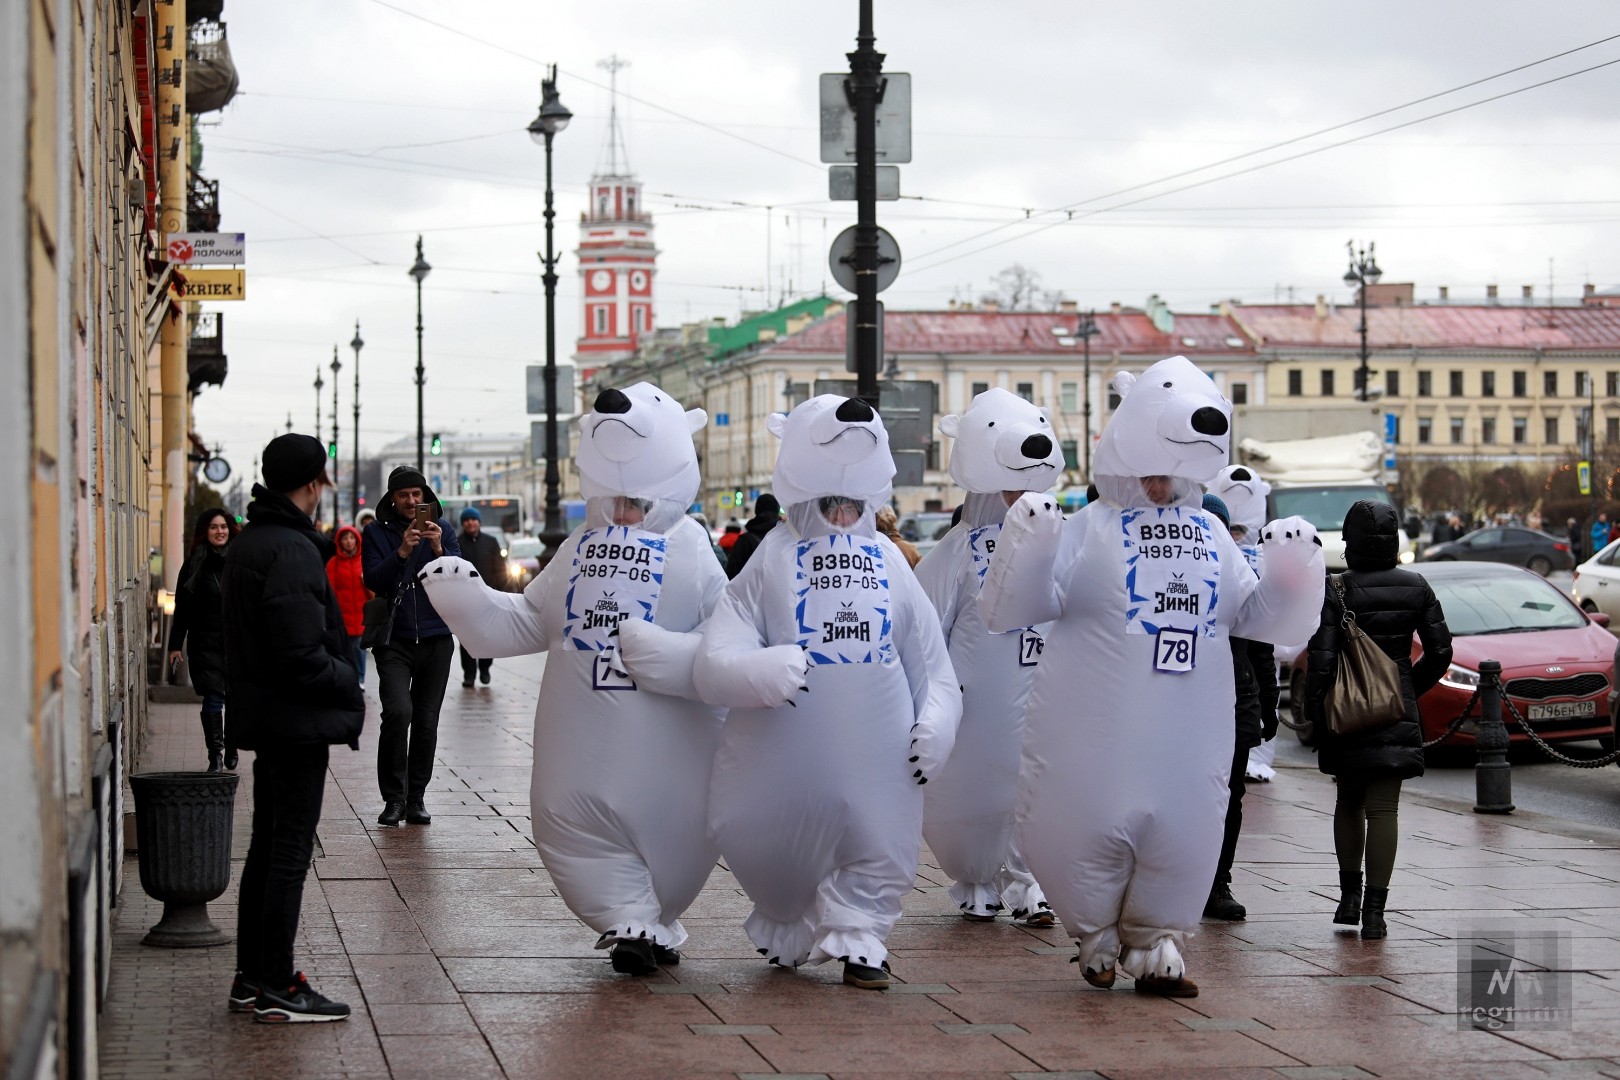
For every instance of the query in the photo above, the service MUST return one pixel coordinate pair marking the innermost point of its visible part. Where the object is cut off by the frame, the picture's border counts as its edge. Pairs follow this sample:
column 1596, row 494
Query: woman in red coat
column 344, row 572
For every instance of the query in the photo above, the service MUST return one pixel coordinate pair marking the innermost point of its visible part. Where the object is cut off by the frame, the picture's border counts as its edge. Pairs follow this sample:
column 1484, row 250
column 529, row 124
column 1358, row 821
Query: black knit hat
column 767, row 506
column 406, row 477
column 291, row 461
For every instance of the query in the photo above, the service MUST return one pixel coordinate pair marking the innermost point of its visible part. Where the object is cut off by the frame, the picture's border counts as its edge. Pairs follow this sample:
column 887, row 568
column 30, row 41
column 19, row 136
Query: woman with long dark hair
column 1389, row 604
column 199, row 616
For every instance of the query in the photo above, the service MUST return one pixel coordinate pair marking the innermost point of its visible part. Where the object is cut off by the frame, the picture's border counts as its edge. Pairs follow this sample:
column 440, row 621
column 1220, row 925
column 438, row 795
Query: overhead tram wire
column 1227, row 176
column 1286, row 142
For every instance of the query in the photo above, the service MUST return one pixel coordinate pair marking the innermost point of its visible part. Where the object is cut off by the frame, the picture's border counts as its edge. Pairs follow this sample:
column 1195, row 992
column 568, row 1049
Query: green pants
column 1367, row 816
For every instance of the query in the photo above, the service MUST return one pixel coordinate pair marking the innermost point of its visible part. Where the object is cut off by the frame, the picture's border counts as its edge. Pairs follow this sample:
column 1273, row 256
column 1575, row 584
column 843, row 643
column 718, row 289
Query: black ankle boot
column 1349, row 911
column 213, row 725
column 1372, row 914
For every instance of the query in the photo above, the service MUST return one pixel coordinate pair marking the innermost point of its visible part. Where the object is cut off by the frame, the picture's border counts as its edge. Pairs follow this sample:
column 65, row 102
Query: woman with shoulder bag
column 1389, row 605
column 199, row 627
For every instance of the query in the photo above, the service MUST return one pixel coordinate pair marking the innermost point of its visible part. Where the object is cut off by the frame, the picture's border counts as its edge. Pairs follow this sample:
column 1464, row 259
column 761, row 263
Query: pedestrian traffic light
column 466, row 483
column 736, row 498
column 331, row 450
column 437, row 446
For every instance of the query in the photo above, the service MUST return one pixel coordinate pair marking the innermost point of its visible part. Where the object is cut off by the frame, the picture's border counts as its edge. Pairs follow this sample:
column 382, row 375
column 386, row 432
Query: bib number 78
column 1175, row 651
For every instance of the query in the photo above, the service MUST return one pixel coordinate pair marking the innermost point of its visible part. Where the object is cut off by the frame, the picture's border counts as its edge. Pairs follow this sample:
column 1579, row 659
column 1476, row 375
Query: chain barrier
column 1574, row 763
column 1451, row 729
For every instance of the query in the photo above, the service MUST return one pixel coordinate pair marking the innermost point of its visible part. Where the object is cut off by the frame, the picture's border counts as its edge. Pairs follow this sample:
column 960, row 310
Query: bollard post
column 1493, row 776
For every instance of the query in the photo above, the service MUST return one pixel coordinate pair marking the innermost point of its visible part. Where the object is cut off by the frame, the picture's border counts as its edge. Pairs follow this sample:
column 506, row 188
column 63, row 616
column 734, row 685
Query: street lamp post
column 1085, row 331
column 336, row 367
column 354, row 471
column 1362, row 273
column 319, row 383
column 552, row 118
column 419, row 271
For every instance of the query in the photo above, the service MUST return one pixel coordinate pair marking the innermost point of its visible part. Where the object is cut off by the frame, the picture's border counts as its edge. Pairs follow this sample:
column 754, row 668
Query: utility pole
column 172, row 162
column 354, row 472
column 865, row 89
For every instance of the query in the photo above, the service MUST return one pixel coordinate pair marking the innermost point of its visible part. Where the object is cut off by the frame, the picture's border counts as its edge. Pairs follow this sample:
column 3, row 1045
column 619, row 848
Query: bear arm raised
column 1286, row 606
column 1020, row 588
column 489, row 623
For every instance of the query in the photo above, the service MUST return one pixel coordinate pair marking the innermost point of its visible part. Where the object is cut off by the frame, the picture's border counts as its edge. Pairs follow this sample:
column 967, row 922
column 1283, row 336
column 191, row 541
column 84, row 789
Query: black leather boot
column 1349, row 911
column 1372, row 914
column 213, row 725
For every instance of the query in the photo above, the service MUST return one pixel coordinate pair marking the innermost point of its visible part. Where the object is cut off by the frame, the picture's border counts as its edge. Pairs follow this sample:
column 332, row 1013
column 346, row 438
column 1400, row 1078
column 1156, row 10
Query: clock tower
column 616, row 255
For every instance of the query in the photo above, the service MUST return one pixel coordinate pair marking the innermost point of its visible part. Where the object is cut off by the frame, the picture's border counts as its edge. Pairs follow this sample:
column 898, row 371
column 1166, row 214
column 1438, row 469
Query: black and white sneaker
column 865, row 976
column 297, row 1004
column 634, row 958
column 244, row 992
column 666, row 957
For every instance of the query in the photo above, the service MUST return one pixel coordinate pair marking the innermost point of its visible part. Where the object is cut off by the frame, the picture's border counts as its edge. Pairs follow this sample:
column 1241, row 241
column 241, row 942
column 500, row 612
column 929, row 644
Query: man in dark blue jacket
column 292, row 693
column 414, row 666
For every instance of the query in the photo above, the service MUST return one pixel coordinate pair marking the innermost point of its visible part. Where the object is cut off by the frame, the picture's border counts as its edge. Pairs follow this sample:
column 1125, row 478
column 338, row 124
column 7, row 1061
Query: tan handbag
column 1366, row 695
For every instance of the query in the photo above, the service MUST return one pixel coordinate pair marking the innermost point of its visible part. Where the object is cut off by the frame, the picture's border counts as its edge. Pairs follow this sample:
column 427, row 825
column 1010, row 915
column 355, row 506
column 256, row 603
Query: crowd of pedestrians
column 822, row 834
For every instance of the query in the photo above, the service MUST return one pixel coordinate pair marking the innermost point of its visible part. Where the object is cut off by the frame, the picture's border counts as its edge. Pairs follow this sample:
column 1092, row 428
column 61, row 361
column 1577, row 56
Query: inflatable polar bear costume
column 1128, row 734
column 831, row 659
column 1002, row 444
column 619, row 792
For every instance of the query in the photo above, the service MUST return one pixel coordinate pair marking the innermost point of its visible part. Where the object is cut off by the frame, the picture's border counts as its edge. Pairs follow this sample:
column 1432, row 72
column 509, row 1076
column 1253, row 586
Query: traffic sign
column 198, row 284
column 535, row 384
column 893, row 119
column 1583, row 476
column 206, row 248
column 841, row 183
column 841, row 259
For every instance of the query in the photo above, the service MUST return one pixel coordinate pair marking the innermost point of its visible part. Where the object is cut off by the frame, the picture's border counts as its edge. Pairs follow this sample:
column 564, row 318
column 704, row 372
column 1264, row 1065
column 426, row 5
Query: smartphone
column 424, row 515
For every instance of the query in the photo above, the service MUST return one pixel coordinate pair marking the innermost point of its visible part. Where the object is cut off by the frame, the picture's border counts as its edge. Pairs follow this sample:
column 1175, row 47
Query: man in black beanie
column 767, row 512
column 293, row 692
column 414, row 666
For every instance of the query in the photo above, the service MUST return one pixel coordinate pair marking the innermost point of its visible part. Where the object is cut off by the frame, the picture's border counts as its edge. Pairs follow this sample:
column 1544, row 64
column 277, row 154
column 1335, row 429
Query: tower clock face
column 601, row 280
column 638, row 281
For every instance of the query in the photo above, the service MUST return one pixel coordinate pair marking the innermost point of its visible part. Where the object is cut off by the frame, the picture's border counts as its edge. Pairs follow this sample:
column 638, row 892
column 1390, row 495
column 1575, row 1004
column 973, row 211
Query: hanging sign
column 194, row 284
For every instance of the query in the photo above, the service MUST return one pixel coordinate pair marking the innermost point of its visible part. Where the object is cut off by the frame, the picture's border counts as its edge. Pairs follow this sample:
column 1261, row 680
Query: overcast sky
column 362, row 123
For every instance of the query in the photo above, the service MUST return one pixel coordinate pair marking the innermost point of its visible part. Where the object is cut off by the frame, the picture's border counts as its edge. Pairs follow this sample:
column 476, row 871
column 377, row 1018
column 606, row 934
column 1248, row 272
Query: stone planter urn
column 183, row 830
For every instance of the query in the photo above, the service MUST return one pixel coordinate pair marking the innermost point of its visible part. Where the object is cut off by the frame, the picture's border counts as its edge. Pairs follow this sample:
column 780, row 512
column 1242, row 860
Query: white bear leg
column 1151, row 952
column 1260, row 759
column 785, row 944
column 856, row 908
column 1019, row 890
column 1099, row 950
column 978, row 900
column 604, row 882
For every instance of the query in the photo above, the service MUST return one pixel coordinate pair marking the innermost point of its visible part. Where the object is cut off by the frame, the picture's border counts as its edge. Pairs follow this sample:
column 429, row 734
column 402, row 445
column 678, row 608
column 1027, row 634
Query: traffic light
column 331, row 450
column 737, row 498
column 436, row 447
column 466, row 483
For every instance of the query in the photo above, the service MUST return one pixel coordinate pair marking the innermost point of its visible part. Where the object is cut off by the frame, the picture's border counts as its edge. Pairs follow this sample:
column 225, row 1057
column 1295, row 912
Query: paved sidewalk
column 462, row 963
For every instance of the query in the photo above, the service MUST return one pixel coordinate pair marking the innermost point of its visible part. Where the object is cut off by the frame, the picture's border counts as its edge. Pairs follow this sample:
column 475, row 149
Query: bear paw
column 929, row 749
column 1036, row 516
column 1292, row 549
column 449, row 572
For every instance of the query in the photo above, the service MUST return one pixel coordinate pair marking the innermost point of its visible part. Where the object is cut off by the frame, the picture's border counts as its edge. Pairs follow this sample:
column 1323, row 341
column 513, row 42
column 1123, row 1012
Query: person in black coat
column 292, row 693
column 767, row 513
column 484, row 552
column 1254, row 678
column 1389, row 605
column 199, row 617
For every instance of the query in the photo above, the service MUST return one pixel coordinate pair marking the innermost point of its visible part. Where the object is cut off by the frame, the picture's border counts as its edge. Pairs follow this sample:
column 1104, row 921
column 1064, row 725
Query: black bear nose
column 1242, row 475
column 1209, row 421
column 614, row 401
column 854, row 411
column 1036, row 447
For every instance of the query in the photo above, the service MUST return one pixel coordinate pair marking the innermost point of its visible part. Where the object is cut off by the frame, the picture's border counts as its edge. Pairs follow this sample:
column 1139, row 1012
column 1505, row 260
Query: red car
column 1557, row 660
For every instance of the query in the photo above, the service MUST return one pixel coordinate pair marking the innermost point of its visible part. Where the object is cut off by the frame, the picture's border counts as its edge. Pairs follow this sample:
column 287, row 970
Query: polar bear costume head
column 831, row 445
column 1003, row 443
column 1171, row 421
column 637, row 443
column 1244, row 494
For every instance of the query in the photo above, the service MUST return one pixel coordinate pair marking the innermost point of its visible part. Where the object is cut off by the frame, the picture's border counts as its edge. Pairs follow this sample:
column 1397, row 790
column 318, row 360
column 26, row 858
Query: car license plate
column 1562, row 710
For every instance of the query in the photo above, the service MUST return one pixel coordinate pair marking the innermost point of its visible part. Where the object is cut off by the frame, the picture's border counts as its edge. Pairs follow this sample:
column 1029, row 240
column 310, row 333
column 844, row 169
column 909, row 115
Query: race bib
column 842, row 605
column 1172, row 572
column 618, row 573
column 1175, row 651
column 1030, row 647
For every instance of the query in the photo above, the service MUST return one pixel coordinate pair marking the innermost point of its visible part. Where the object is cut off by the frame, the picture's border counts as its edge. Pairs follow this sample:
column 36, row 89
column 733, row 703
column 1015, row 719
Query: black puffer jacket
column 1390, row 604
column 743, row 547
column 286, row 652
column 1254, row 671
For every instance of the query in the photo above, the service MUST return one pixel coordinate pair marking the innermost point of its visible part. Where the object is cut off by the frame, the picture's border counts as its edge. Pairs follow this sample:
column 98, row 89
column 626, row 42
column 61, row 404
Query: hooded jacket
column 199, row 616
column 287, row 656
column 348, row 582
column 753, row 532
column 385, row 571
column 1390, row 605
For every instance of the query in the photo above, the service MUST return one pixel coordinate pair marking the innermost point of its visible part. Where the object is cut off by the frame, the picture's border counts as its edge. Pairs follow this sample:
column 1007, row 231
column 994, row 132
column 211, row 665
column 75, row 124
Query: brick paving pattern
column 461, row 962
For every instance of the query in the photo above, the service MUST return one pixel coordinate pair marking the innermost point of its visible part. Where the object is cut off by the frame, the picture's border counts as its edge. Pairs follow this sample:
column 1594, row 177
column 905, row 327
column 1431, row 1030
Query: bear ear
column 695, row 419
column 1123, row 381
column 776, row 423
column 948, row 425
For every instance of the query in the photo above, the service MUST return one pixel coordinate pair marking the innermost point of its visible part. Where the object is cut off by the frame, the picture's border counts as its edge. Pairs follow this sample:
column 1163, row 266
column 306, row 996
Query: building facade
column 81, row 308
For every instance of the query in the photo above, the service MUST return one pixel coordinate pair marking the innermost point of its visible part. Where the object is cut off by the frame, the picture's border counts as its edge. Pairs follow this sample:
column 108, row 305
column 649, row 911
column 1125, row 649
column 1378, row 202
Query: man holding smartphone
column 409, row 532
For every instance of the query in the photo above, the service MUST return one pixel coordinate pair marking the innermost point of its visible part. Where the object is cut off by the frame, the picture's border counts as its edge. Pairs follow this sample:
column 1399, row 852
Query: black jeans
column 288, row 782
column 1234, row 816
column 472, row 665
column 410, row 680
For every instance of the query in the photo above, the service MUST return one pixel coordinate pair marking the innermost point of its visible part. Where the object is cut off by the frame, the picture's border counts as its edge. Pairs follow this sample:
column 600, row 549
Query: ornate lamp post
column 336, row 367
column 1085, row 331
column 419, row 271
column 319, row 383
column 354, row 471
column 1362, row 273
column 553, row 117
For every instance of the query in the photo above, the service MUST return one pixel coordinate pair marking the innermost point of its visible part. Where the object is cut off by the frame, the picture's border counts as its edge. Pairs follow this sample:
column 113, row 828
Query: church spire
column 618, row 159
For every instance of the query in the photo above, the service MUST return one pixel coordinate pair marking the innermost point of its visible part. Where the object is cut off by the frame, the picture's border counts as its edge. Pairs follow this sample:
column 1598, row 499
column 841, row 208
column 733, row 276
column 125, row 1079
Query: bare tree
column 1018, row 288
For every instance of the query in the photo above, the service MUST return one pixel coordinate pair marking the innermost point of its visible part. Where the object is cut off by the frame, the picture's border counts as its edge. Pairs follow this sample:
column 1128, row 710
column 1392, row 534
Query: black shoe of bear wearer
column 634, row 958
